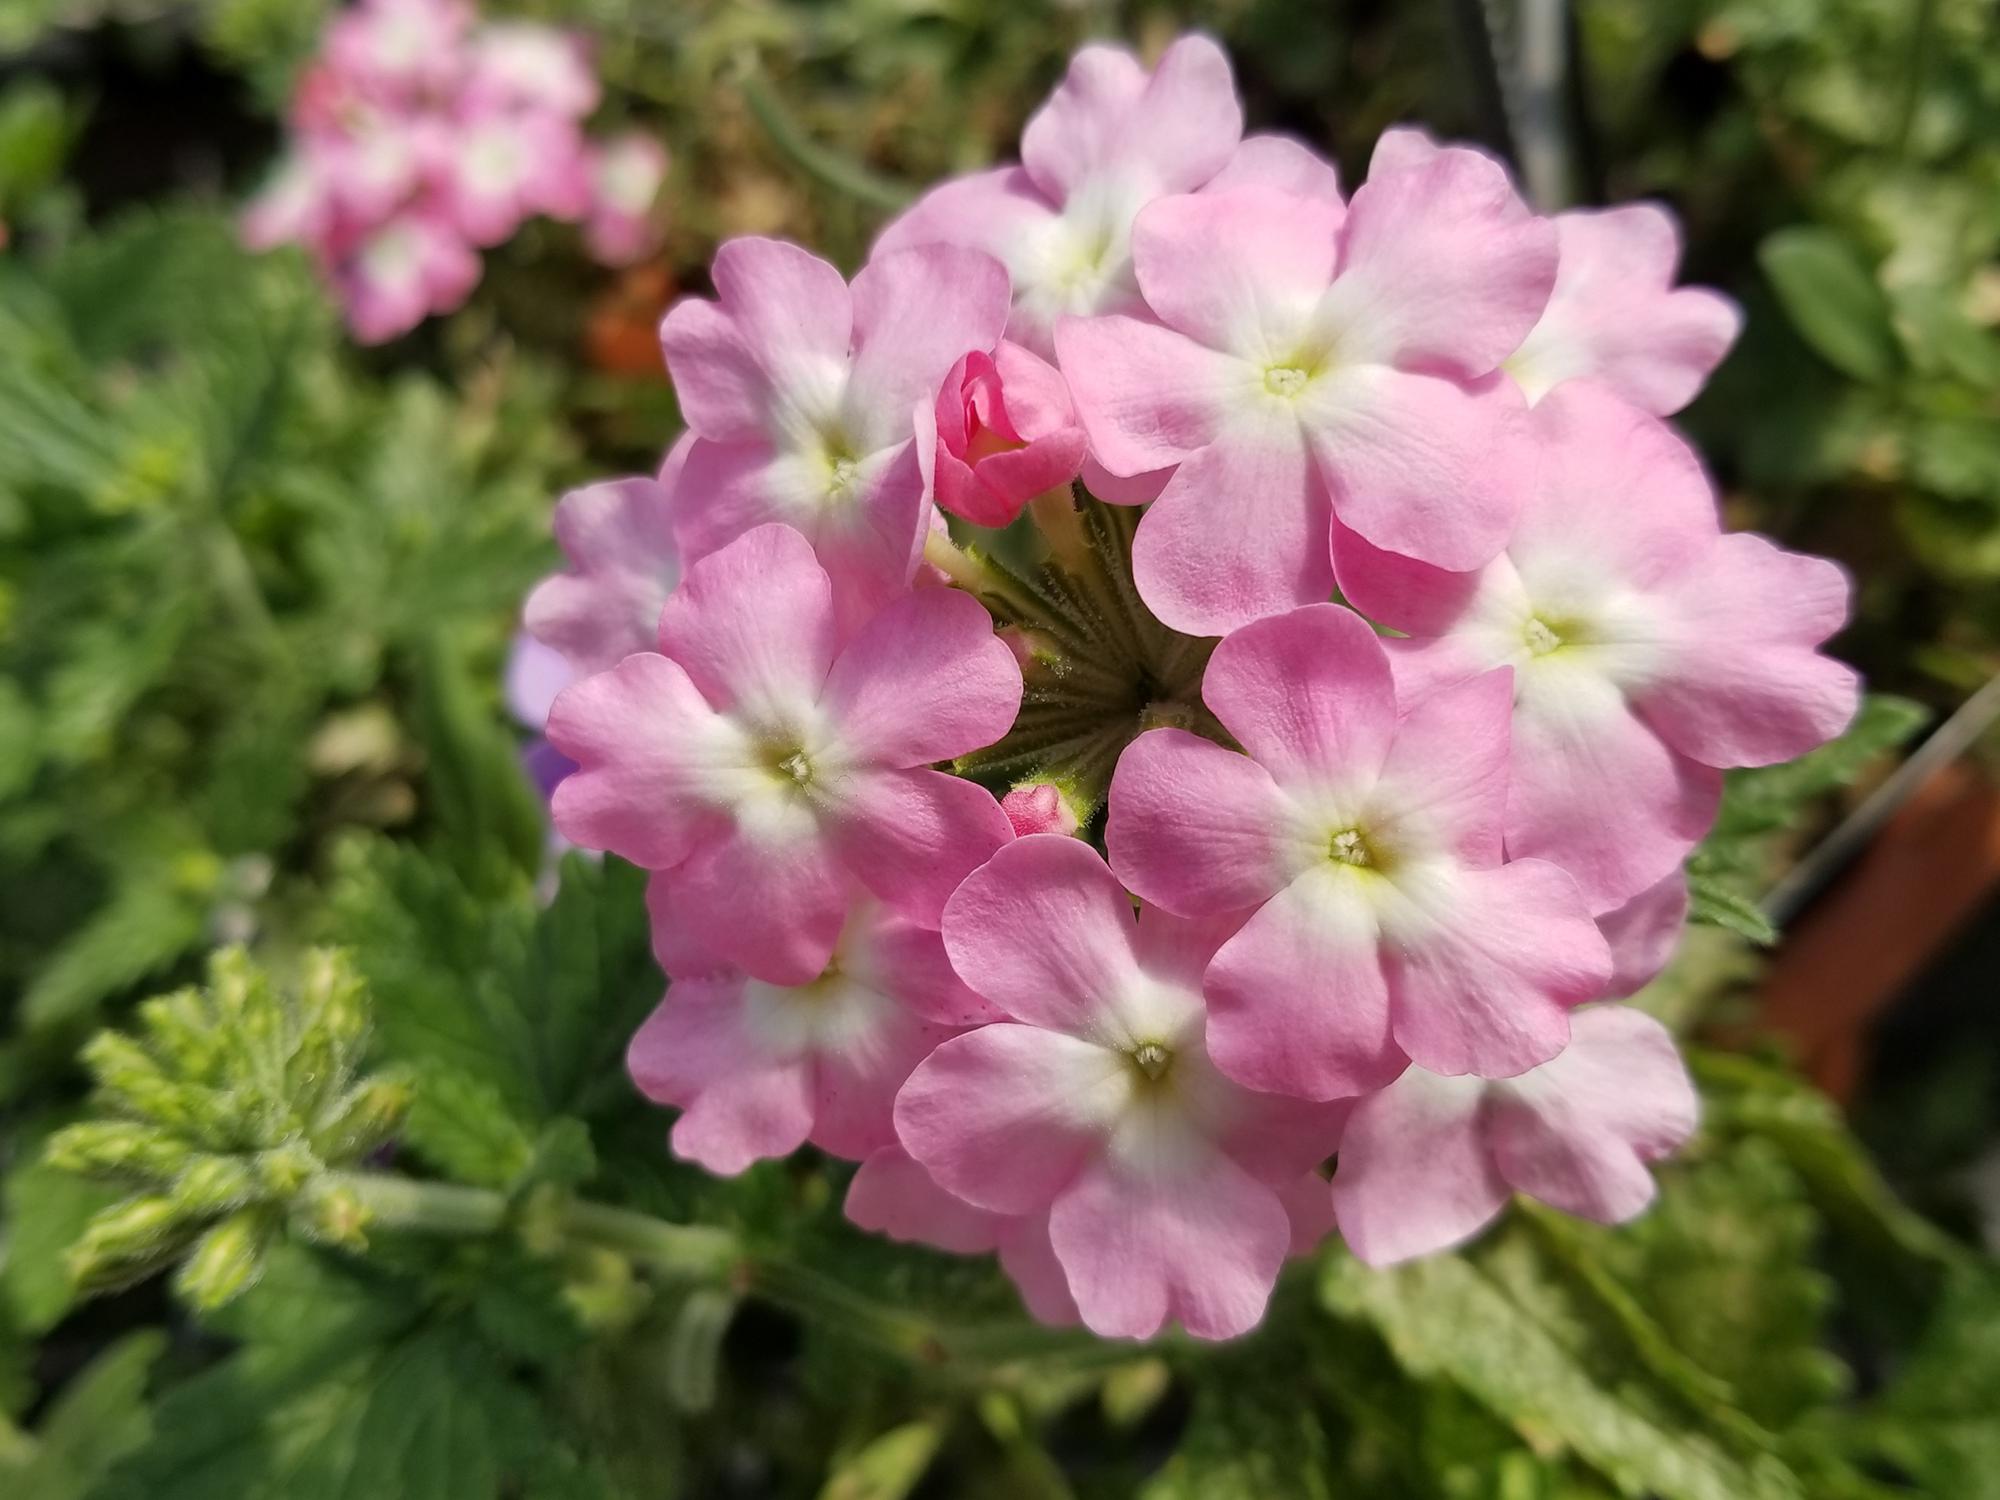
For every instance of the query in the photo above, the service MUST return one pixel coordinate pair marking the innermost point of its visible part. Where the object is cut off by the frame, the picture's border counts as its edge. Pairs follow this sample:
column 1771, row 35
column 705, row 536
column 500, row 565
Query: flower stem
column 704, row 1254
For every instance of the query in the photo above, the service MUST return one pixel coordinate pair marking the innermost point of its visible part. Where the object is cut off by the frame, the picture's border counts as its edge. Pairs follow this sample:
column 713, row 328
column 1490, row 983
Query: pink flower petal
column 782, row 320
column 647, row 746
column 680, row 948
column 771, row 900
column 1747, row 686
column 1592, row 444
column 1297, row 1000
column 1443, row 269
column 1307, row 694
column 1596, row 791
column 1241, row 531
column 1044, row 931
column 1278, row 161
column 1615, row 316
column 1030, row 1263
column 1194, row 828
column 740, row 1104
column 1444, row 781
column 1146, row 395
column 1578, row 1133
column 1421, row 466
column 907, row 961
column 915, row 313
column 1400, row 592
column 1242, row 270
column 1643, row 934
column 925, row 680
column 1174, row 129
column 893, row 1195
column 855, row 1085
column 1005, row 1117
column 1309, row 1206
column 1483, row 966
column 1415, row 1175
column 1201, row 1246
column 623, row 563
column 912, row 836
column 753, row 626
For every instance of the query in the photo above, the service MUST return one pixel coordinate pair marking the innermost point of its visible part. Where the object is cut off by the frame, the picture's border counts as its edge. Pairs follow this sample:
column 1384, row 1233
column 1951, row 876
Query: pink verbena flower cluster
column 1362, row 896
column 419, row 136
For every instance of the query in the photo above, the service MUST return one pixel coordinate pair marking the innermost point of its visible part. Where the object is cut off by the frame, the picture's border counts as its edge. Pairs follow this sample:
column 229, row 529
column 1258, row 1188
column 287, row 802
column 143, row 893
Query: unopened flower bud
column 226, row 1261
column 132, row 1077
column 368, row 1116
column 117, row 1148
column 181, row 1031
column 1040, row 807
column 333, row 1214
column 283, row 1170
column 212, row 1185
column 128, row 1242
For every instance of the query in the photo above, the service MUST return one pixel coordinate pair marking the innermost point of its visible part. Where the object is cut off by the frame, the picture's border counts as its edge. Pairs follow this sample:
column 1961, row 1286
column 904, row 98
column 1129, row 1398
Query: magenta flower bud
column 1006, row 432
column 1039, row 807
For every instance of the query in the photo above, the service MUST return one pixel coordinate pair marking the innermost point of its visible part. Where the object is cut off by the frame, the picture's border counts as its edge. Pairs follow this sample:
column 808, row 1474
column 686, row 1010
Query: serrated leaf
column 1241, row 1444
column 100, row 1417
column 462, row 1126
column 1443, row 1317
column 1712, row 902
column 1833, row 300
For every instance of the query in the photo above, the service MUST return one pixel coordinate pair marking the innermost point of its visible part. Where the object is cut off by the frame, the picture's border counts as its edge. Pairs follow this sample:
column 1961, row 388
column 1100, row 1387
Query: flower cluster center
column 1285, row 380
column 1350, row 847
column 1153, row 1059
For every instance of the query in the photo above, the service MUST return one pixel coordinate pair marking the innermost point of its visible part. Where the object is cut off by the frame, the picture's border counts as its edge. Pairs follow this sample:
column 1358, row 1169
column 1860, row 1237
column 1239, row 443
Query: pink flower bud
column 1006, row 432
column 1039, row 807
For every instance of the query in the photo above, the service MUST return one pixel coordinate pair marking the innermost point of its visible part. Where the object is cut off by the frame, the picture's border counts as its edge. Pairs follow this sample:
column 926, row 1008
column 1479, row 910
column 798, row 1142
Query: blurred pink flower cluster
column 420, row 136
column 1369, row 889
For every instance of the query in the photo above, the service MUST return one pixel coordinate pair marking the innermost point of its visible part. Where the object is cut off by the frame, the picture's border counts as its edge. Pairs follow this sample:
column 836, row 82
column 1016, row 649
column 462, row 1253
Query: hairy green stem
column 703, row 1254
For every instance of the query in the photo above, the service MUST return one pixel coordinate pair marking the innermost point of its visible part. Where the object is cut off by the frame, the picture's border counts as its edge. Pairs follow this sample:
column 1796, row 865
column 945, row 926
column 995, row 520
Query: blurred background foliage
column 255, row 589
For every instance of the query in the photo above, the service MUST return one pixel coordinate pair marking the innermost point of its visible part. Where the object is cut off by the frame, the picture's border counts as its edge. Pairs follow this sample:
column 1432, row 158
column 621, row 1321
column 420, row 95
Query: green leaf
column 492, row 820
column 46, row 1212
column 1447, row 1318
column 100, row 1417
column 1940, row 1420
column 536, row 1004
column 1241, row 1444
column 1710, row 901
column 1833, row 300
column 462, row 1125
column 364, row 1400
column 887, row 1467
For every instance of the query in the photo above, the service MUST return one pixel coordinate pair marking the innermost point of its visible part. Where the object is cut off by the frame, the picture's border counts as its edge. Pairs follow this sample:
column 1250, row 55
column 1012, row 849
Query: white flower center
column 1540, row 637
column 1349, row 847
column 1285, row 380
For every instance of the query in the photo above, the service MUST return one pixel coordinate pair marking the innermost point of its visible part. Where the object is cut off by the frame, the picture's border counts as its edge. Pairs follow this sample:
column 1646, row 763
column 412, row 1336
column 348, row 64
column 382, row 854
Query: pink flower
column 1039, row 807
column 1430, row 1161
column 410, row 268
column 801, row 395
column 518, row 65
column 1615, row 315
column 758, row 1069
column 501, row 167
column 625, row 177
column 1365, row 849
column 1002, row 432
column 893, row 1195
column 1649, row 649
column 398, row 46
column 764, row 758
column 618, row 537
column 292, row 207
column 1110, row 140
column 1304, row 359
column 1096, row 1101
